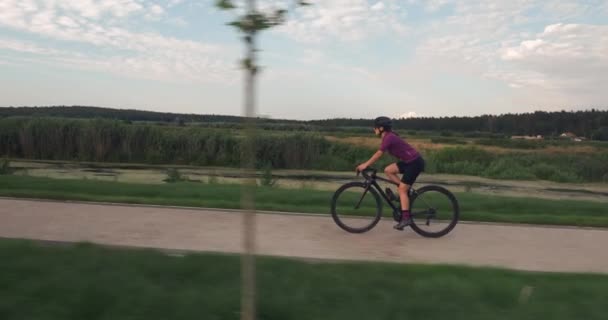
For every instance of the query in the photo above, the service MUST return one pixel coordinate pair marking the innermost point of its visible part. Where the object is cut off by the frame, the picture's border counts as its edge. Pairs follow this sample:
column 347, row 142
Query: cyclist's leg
column 391, row 172
column 403, row 196
column 405, row 169
column 410, row 171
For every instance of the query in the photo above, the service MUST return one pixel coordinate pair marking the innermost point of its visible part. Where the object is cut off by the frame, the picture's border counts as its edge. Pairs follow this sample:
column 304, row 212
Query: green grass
column 475, row 161
column 449, row 140
column 474, row 207
column 5, row 166
column 89, row 282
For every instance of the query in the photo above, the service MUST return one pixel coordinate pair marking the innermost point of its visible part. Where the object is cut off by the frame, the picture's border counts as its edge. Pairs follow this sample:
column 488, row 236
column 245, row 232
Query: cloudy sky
column 337, row 58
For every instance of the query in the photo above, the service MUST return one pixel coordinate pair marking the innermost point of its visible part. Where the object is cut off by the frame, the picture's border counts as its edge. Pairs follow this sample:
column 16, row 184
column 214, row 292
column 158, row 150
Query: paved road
column 511, row 246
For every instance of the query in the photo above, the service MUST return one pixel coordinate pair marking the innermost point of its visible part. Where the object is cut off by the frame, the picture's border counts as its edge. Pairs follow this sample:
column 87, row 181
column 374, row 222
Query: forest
column 591, row 124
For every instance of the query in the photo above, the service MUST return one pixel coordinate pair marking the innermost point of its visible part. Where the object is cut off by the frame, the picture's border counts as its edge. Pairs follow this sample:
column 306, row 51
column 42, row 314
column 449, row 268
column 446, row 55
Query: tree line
column 590, row 123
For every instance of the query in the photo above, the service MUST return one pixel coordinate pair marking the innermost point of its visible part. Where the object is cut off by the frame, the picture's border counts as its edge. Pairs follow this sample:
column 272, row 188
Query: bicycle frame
column 371, row 181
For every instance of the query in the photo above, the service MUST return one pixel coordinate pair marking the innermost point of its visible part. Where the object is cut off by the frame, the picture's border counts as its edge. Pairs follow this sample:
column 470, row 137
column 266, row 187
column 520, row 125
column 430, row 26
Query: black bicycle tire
column 337, row 218
column 455, row 205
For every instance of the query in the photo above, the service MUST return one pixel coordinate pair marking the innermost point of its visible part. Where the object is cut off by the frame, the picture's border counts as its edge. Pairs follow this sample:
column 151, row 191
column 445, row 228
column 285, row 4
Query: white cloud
column 155, row 12
column 21, row 46
column 434, row 5
column 344, row 20
column 563, row 57
column 180, row 22
column 96, row 9
column 378, row 6
column 312, row 56
column 487, row 39
column 410, row 114
column 173, row 3
column 67, row 22
column 562, row 10
column 28, row 5
column 143, row 55
column 176, row 67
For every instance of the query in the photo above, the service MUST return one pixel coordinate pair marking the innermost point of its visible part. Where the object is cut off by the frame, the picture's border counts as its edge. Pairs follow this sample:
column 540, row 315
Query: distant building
column 538, row 137
column 571, row 136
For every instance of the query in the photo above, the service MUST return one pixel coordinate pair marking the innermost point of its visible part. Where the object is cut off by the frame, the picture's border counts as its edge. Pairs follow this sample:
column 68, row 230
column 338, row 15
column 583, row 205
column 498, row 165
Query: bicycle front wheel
column 435, row 211
column 356, row 207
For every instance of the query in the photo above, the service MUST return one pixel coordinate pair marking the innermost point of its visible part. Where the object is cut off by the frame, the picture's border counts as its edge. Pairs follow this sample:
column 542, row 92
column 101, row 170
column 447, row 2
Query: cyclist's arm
column 374, row 158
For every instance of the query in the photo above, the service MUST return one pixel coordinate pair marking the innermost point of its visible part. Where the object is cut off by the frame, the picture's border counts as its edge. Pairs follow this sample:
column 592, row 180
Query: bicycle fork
column 362, row 196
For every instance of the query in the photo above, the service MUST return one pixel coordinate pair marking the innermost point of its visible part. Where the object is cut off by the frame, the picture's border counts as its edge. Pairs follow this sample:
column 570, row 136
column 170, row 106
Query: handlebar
column 366, row 171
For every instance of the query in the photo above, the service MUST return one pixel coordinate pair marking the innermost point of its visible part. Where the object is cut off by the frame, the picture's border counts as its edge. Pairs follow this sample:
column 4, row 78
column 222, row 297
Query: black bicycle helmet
column 384, row 122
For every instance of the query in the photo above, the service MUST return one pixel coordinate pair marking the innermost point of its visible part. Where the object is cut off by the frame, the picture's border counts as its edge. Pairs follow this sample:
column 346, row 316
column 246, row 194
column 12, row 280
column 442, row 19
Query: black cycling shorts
column 411, row 170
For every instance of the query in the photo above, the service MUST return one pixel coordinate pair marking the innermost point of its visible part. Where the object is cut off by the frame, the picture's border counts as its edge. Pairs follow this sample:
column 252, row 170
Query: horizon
column 334, row 59
column 592, row 109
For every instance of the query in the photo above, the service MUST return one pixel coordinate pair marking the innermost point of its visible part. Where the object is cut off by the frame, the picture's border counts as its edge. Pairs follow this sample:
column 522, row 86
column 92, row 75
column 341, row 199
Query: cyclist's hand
column 361, row 167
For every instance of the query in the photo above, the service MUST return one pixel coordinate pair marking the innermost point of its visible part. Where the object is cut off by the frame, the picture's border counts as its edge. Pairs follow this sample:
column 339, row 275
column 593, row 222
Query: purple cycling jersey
column 398, row 148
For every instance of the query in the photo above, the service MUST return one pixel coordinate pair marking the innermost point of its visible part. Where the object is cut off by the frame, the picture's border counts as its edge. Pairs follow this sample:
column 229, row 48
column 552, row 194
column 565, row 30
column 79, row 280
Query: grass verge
column 474, row 207
column 84, row 281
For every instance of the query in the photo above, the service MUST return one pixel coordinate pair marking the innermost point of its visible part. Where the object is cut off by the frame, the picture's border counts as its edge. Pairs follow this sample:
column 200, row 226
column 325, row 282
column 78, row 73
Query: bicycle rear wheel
column 435, row 211
column 356, row 208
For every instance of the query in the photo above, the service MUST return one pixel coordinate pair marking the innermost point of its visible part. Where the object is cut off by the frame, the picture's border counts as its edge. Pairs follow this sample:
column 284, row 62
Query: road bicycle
column 357, row 207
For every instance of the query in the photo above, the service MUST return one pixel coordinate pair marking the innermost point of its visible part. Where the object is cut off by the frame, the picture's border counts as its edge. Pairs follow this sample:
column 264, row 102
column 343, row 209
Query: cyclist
column 410, row 163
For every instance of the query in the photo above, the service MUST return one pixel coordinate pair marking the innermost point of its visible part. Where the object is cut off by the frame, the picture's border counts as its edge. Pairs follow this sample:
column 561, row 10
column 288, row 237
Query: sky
column 335, row 58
